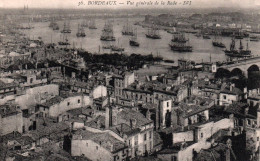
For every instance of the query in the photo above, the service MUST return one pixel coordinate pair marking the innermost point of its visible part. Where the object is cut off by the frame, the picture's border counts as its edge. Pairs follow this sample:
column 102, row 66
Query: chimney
column 232, row 86
column 108, row 122
column 112, row 147
column 246, row 110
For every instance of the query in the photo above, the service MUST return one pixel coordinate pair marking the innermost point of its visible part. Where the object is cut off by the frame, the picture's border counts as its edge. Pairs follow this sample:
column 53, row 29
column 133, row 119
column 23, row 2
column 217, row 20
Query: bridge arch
column 253, row 76
column 236, row 72
column 253, row 67
column 222, row 73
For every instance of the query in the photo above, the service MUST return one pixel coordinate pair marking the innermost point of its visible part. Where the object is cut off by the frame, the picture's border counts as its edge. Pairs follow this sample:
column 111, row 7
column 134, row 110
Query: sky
column 74, row 3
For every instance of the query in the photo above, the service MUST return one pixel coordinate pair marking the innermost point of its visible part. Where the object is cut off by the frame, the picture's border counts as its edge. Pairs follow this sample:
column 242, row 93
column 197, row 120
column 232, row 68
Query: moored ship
column 80, row 32
column 133, row 41
column 233, row 52
column 66, row 28
column 107, row 33
column 153, row 33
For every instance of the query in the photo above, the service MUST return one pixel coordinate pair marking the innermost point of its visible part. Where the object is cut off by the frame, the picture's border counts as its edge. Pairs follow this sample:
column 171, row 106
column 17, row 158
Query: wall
column 205, row 131
column 182, row 136
column 187, row 153
column 88, row 148
column 68, row 104
column 99, row 91
column 228, row 100
column 11, row 123
column 37, row 95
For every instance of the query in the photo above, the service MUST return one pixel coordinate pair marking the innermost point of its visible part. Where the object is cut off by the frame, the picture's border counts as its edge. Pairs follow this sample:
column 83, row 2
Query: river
column 202, row 48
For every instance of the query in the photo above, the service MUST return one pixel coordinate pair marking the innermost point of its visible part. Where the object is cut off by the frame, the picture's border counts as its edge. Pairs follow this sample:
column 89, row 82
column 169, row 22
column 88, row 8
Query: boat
column 127, row 29
column 64, row 42
column 233, row 52
column 92, row 25
column 179, row 37
column 206, row 36
column 133, row 41
column 180, row 44
column 198, row 34
column 54, row 25
column 27, row 27
column 66, row 28
column 107, row 33
column 254, row 38
column 84, row 23
column 180, row 47
column 80, row 32
column 117, row 48
column 153, row 33
column 217, row 43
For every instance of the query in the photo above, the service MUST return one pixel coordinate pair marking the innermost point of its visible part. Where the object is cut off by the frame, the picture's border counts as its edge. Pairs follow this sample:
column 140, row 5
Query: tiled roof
column 128, row 114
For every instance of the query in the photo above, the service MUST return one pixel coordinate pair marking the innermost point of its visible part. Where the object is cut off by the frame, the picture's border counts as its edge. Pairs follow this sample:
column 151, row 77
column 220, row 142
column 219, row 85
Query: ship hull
column 153, row 36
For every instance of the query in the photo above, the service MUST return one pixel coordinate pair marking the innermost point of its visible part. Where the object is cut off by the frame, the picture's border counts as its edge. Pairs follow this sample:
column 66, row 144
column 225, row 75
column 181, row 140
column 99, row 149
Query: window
column 96, row 147
column 167, row 104
column 68, row 103
column 150, row 136
column 144, row 137
column 78, row 100
column 224, row 97
column 201, row 135
column 257, row 138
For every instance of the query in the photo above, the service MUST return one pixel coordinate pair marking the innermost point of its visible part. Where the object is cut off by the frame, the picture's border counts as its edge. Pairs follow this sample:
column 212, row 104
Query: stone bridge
column 243, row 66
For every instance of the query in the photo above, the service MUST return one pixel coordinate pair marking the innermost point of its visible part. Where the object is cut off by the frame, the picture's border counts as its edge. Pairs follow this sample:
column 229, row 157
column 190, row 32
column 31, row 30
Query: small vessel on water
column 133, row 41
column 198, row 34
column 92, row 24
column 117, row 48
column 153, row 33
column 80, row 32
column 127, row 30
column 84, row 23
column 217, row 42
column 107, row 33
column 66, row 28
column 233, row 52
column 254, row 38
column 64, row 41
column 206, row 36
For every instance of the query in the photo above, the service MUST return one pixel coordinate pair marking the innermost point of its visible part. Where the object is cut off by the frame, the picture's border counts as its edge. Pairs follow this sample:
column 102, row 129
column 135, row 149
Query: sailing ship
column 117, row 48
column 179, row 37
column 64, row 41
column 27, row 27
column 133, row 41
column 217, row 43
column 127, row 30
column 107, row 33
column 233, row 52
column 54, row 25
column 107, row 46
column 66, row 28
column 179, row 44
column 92, row 24
column 153, row 33
column 80, row 32
column 198, row 34
column 84, row 23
